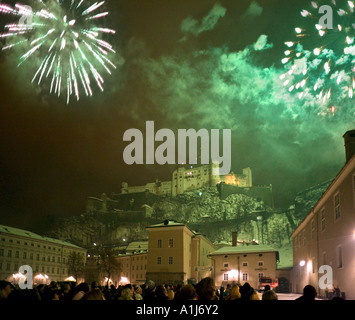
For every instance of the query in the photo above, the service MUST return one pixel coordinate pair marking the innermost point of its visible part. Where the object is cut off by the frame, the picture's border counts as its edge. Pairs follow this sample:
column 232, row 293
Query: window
column 225, row 265
column 24, row 255
column 171, row 243
column 17, row 254
column 31, row 256
column 225, row 276
column 170, row 260
column 337, row 206
column 158, row 260
column 9, row 254
column 339, row 257
column 159, row 243
column 260, row 275
column 322, row 219
column 245, row 263
column 245, row 276
column 1, row 252
column 260, row 263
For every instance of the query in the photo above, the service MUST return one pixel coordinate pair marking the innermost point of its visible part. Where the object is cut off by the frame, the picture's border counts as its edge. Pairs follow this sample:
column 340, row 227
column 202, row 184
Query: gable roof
column 34, row 236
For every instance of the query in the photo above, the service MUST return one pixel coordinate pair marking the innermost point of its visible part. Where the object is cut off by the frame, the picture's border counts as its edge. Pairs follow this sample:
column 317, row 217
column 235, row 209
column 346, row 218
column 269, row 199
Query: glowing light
column 302, row 263
column 66, row 41
column 71, row 278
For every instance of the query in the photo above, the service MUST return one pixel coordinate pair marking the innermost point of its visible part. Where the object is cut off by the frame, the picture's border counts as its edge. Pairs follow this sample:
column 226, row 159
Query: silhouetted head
column 309, row 292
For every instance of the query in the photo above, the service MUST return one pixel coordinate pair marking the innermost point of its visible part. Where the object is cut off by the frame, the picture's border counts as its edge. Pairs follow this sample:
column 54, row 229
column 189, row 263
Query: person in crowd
column 187, row 292
column 65, row 288
column 149, row 292
column 95, row 294
column 171, row 294
column 234, row 293
column 126, row 294
column 246, row 291
column 161, row 293
column 5, row 289
column 138, row 293
column 309, row 293
column 254, row 295
column 80, row 291
column 51, row 293
column 206, row 289
column 269, row 295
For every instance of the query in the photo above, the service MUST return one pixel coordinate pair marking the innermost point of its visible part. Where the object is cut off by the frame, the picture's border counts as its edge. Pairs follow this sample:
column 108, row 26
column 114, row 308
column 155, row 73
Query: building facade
column 326, row 237
column 177, row 255
column 47, row 257
column 243, row 263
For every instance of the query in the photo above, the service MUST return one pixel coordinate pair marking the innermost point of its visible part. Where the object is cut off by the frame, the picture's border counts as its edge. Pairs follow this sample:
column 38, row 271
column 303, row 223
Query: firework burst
column 321, row 62
column 65, row 41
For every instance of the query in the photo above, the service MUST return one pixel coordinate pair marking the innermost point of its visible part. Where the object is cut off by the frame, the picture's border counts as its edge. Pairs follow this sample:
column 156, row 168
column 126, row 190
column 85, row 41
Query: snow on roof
column 34, row 236
column 244, row 249
column 167, row 223
column 137, row 246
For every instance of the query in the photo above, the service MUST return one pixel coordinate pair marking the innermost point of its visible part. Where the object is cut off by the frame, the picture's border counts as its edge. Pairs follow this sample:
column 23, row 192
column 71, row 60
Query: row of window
column 15, row 267
column 16, row 254
column 302, row 237
column 245, row 276
column 140, row 258
column 170, row 260
column 244, row 264
column 141, row 268
column 170, row 243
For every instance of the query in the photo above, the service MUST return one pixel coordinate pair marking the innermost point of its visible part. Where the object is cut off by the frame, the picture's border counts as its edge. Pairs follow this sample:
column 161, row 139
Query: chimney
column 349, row 140
column 234, row 239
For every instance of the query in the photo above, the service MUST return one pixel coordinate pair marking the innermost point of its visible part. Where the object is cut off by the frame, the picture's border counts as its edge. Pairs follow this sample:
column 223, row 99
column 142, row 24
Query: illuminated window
column 260, row 275
column 225, row 276
column 245, row 276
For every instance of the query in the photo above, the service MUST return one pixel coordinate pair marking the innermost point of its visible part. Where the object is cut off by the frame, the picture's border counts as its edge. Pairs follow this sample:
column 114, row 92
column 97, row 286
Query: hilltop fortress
column 183, row 179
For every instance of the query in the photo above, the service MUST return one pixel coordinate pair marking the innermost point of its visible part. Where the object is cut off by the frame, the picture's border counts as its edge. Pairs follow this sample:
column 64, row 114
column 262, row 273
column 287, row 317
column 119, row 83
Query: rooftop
column 244, row 249
column 167, row 223
column 34, row 236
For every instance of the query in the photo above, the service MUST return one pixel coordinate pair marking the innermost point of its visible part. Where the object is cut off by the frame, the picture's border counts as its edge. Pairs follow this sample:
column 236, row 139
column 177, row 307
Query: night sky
column 184, row 64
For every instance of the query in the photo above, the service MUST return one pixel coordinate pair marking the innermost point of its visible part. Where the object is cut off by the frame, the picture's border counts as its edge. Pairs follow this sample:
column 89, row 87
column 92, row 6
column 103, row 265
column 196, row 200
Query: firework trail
column 66, row 37
column 321, row 61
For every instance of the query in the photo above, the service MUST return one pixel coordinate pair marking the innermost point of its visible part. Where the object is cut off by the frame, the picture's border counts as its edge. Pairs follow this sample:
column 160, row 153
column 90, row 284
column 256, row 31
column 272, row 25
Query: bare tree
column 76, row 264
column 109, row 263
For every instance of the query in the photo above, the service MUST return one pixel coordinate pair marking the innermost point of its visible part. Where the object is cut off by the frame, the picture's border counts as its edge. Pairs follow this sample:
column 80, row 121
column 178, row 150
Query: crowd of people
column 203, row 291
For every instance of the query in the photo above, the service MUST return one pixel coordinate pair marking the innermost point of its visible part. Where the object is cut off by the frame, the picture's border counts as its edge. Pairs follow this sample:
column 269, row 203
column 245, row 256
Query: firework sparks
column 321, row 62
column 65, row 37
